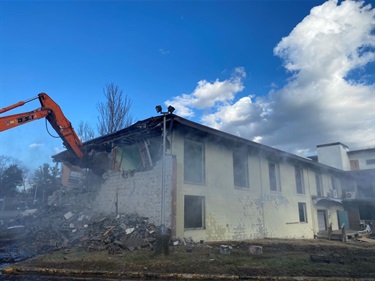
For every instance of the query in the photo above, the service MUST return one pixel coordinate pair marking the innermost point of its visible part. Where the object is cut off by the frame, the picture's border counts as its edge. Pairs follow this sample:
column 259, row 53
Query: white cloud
column 319, row 104
column 35, row 145
column 209, row 94
column 164, row 51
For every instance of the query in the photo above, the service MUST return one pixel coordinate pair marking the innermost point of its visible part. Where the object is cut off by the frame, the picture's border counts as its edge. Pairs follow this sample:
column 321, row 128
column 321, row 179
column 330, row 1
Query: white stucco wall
column 248, row 213
column 362, row 156
column 334, row 155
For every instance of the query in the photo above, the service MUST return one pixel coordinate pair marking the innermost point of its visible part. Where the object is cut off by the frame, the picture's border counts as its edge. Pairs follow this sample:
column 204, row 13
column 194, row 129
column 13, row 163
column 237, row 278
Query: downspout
column 262, row 192
column 311, row 203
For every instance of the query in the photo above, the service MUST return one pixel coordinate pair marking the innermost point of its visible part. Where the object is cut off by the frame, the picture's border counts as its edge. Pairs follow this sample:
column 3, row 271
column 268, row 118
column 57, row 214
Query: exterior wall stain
column 215, row 231
column 276, row 200
column 252, row 209
column 240, row 232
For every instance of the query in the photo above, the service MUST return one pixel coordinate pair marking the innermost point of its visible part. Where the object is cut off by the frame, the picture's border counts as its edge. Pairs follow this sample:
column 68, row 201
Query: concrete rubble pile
column 63, row 226
column 57, row 227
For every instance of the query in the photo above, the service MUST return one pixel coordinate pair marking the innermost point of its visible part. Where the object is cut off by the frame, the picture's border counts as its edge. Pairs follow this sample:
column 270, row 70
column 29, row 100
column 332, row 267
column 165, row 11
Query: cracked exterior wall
column 137, row 192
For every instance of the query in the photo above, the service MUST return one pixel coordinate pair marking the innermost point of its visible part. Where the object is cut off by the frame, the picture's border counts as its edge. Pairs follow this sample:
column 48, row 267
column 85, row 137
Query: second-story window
column 274, row 176
column 240, row 170
column 194, row 167
column 319, row 184
column 335, row 186
column 299, row 180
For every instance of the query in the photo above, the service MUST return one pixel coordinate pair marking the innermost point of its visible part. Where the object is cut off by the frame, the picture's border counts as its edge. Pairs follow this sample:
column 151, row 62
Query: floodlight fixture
column 171, row 109
column 158, row 108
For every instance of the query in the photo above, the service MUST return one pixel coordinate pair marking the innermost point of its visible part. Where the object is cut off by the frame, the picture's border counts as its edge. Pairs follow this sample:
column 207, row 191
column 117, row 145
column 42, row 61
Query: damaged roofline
column 153, row 127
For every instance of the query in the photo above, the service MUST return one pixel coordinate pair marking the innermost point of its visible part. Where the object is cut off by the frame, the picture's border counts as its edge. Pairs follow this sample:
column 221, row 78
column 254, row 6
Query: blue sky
column 288, row 74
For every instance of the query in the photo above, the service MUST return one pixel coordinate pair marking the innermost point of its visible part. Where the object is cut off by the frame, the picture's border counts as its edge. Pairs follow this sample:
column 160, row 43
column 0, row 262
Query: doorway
column 322, row 220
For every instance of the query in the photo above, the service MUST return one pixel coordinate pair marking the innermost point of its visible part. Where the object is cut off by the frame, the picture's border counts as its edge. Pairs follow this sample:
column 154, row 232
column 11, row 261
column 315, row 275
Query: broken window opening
column 302, row 212
column 194, row 212
column 274, row 176
column 299, row 180
column 240, row 169
column 194, row 162
column 74, row 177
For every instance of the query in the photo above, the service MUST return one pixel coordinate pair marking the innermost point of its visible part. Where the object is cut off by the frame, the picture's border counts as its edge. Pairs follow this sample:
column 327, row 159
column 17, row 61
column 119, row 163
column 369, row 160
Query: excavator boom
column 53, row 113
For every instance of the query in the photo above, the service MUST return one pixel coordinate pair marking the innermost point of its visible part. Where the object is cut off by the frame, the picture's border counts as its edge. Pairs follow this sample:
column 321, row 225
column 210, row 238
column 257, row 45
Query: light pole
column 159, row 109
column 162, row 241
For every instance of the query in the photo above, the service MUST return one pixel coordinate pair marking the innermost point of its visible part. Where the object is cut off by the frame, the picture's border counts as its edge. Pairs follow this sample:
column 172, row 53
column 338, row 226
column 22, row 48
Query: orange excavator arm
column 53, row 113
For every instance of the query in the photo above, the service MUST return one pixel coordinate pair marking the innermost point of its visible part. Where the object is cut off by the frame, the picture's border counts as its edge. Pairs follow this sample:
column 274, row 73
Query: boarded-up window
column 240, row 172
column 299, row 180
column 194, row 211
column 274, row 177
column 194, row 161
column 302, row 212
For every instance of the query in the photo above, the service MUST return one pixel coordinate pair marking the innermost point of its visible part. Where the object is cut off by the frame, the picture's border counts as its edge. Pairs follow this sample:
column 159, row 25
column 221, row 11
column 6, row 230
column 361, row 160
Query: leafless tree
column 114, row 113
column 85, row 131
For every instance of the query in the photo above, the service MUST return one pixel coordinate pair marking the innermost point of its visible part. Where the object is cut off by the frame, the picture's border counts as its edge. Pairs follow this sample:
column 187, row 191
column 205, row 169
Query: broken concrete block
column 255, row 250
column 129, row 230
column 68, row 215
column 224, row 249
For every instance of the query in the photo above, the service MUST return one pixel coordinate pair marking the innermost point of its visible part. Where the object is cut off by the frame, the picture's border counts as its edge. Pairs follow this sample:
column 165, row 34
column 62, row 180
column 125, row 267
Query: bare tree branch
column 85, row 131
column 114, row 114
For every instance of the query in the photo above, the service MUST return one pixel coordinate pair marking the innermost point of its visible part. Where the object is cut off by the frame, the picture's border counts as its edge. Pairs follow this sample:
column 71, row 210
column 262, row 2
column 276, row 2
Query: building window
column 335, row 187
column 354, row 165
column 194, row 161
column 370, row 161
column 319, row 184
column 302, row 212
column 194, row 211
column 240, row 169
column 299, row 180
column 274, row 175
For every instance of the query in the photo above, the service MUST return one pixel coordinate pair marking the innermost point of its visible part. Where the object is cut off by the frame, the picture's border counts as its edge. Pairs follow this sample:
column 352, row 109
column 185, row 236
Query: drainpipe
column 262, row 192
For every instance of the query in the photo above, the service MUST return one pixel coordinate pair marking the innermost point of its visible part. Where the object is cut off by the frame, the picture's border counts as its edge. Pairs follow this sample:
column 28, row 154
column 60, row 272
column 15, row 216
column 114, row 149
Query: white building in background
column 358, row 200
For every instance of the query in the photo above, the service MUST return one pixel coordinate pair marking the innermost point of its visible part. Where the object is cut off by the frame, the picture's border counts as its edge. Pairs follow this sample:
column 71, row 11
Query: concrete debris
column 225, row 249
column 58, row 228
column 68, row 225
column 255, row 250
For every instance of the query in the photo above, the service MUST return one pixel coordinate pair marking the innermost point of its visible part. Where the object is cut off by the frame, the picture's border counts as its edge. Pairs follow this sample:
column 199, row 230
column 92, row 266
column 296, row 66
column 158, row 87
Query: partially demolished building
column 211, row 185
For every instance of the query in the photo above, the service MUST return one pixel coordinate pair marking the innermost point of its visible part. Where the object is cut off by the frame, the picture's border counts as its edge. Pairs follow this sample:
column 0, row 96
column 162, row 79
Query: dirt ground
column 279, row 257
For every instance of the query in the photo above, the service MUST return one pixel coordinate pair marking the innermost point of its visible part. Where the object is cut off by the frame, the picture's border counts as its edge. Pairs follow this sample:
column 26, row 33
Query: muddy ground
column 279, row 257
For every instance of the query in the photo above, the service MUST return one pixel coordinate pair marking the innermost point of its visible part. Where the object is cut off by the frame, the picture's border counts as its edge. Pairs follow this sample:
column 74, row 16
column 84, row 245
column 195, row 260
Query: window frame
column 244, row 163
column 299, row 180
column 302, row 207
column 276, row 174
column 319, row 184
column 187, row 177
column 188, row 225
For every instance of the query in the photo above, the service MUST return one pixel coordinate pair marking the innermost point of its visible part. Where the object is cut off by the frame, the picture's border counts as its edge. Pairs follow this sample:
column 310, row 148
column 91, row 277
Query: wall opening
column 302, row 212
column 194, row 211
column 194, row 161
column 240, row 169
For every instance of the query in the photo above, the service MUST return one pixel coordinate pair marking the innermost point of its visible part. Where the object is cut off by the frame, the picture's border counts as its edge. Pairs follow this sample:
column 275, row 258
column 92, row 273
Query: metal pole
column 163, row 172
